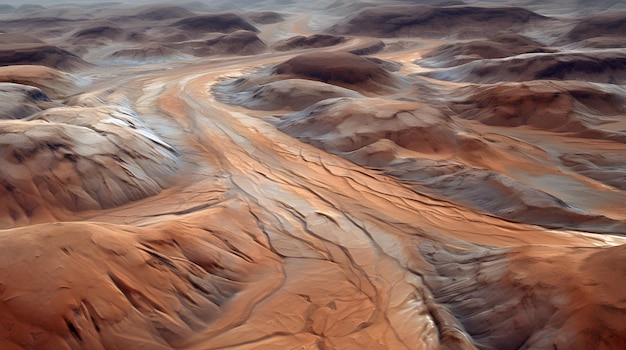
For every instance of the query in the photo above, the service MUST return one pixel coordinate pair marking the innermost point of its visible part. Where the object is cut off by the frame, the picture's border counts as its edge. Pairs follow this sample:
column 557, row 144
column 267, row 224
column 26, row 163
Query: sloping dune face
column 549, row 105
column 348, row 125
column 606, row 25
column 80, row 159
column 312, row 175
column 38, row 54
column 123, row 286
column 19, row 101
column 52, row 82
column 343, row 69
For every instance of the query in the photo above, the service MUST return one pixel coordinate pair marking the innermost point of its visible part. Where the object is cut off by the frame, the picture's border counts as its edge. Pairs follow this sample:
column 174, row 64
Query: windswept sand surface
column 312, row 175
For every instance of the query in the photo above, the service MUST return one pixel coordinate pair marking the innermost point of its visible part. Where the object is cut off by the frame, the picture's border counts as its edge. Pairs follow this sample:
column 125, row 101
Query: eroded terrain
column 325, row 175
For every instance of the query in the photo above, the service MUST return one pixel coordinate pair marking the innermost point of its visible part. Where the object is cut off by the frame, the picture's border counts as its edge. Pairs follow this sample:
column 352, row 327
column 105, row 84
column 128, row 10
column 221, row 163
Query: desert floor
column 313, row 175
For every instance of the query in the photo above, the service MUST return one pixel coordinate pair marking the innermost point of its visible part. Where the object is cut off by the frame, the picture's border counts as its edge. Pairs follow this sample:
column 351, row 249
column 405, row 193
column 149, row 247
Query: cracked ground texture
column 143, row 207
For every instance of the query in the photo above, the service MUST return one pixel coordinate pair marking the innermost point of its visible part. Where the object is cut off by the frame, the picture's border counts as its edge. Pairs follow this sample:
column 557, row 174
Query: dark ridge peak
column 312, row 41
column 6, row 8
column 103, row 30
column 265, row 17
column 604, row 25
column 45, row 55
column 430, row 21
column 30, row 7
column 223, row 23
column 163, row 12
column 342, row 69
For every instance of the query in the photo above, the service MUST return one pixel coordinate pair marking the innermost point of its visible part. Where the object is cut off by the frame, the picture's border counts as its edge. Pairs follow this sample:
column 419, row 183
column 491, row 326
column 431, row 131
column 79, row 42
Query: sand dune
column 570, row 106
column 374, row 127
column 499, row 46
column 30, row 8
column 437, row 22
column 19, row 101
column 600, row 67
column 307, row 79
column 186, row 277
column 237, row 43
column 494, row 193
column 342, row 69
column 314, row 41
column 80, row 159
column 13, row 39
column 515, row 299
column 605, row 25
column 101, row 30
column 54, row 83
column 602, row 43
column 164, row 12
column 142, row 55
column 6, row 8
column 412, row 141
column 345, row 125
column 44, row 27
column 599, row 31
column 282, row 174
column 265, row 17
column 308, row 42
column 222, row 23
column 290, row 94
column 608, row 169
column 39, row 54
column 174, row 34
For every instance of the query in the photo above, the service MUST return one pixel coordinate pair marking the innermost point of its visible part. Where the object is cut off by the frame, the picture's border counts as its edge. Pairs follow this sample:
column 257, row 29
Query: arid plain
column 286, row 174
